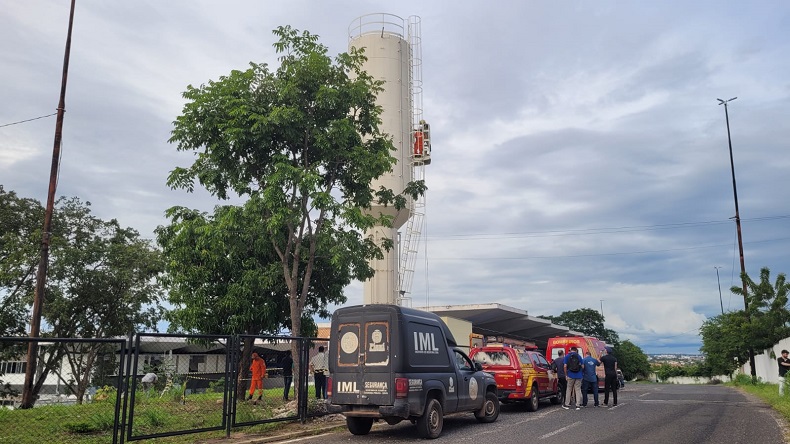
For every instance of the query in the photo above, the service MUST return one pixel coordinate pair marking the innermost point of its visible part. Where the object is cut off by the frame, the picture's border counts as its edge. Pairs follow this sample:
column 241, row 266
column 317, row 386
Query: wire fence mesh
column 154, row 386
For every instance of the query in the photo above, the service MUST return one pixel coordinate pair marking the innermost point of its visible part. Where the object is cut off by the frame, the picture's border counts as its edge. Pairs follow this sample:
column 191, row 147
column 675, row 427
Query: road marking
column 537, row 416
column 560, row 430
column 644, row 394
column 698, row 401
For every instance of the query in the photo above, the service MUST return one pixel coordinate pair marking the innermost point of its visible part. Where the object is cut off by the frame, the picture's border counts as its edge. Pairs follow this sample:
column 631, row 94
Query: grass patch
column 767, row 392
column 153, row 413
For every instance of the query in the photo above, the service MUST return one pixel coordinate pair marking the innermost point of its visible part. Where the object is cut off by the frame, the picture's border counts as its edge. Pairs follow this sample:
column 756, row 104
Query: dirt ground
column 284, row 430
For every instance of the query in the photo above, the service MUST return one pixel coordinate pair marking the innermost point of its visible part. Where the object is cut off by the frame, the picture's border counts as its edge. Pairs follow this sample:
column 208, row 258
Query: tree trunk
column 244, row 368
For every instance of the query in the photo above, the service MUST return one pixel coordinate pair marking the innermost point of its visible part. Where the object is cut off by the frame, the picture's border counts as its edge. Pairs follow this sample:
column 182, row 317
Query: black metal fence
column 154, row 386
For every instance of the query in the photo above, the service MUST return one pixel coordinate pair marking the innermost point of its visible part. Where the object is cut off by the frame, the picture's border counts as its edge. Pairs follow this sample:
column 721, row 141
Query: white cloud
column 578, row 151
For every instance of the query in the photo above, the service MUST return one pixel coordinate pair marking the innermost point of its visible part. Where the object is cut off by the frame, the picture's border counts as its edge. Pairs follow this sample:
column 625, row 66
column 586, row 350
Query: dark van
column 392, row 363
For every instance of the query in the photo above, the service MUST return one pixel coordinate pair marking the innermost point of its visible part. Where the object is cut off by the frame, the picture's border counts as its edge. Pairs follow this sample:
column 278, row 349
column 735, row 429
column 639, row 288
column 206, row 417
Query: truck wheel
column 558, row 398
column 532, row 404
column 430, row 424
column 490, row 410
column 359, row 426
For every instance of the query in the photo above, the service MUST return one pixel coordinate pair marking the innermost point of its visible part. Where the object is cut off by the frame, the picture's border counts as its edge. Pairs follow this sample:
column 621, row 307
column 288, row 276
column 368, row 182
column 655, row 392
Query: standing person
column 590, row 379
column 573, row 372
column 288, row 374
column 258, row 370
column 319, row 365
column 558, row 365
column 610, row 380
column 784, row 366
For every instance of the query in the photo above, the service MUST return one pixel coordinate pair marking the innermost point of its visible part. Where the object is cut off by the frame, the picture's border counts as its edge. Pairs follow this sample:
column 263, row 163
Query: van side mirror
column 478, row 367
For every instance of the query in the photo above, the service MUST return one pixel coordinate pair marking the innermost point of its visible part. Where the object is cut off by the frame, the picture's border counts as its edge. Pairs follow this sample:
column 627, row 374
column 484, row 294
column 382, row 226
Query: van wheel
column 490, row 410
column 430, row 424
column 359, row 426
column 532, row 404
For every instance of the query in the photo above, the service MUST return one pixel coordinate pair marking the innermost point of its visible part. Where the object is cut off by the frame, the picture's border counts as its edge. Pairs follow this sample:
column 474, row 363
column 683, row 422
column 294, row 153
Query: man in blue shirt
column 590, row 380
column 573, row 372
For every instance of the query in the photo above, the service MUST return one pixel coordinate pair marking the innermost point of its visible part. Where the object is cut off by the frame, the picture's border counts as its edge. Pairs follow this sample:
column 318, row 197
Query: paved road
column 647, row 413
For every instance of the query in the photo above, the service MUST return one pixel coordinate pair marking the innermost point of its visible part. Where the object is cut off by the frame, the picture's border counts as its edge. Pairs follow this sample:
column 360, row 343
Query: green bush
column 744, row 379
column 216, row 386
column 105, row 394
column 80, row 427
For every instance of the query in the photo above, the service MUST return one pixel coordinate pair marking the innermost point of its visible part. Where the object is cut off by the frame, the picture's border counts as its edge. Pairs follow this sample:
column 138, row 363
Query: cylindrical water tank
column 389, row 59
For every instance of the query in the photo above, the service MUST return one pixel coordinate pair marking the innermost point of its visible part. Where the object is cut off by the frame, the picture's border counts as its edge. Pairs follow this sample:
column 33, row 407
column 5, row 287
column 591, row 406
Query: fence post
column 230, row 384
column 123, row 386
column 304, row 371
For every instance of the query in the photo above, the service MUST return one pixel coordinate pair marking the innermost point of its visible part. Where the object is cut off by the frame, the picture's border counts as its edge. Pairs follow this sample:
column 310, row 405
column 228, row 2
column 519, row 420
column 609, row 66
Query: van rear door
column 363, row 370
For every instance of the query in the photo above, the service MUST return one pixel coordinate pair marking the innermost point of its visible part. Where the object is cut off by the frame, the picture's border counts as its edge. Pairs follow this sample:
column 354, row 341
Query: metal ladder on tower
column 410, row 240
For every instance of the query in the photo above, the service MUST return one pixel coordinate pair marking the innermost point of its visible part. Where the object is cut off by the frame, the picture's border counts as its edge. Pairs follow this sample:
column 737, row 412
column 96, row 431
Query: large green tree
column 20, row 233
column 725, row 342
column 302, row 143
column 587, row 321
column 224, row 276
column 727, row 338
column 769, row 316
column 20, row 237
column 631, row 360
column 101, row 282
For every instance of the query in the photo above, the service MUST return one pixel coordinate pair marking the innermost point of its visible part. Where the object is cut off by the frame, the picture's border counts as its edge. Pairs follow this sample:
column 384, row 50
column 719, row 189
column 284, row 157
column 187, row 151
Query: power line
column 27, row 120
column 594, row 231
column 624, row 253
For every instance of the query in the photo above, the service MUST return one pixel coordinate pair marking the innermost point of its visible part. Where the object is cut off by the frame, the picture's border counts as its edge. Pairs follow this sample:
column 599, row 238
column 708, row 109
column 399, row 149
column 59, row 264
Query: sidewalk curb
column 290, row 435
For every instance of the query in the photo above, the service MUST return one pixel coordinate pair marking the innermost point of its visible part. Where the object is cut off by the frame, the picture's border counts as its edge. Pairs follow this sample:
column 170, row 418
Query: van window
column 555, row 353
column 348, row 341
column 492, row 358
column 462, row 362
column 377, row 343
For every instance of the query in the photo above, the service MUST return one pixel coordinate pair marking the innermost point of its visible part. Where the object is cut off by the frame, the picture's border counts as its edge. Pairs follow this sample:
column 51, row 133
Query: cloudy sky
column 580, row 158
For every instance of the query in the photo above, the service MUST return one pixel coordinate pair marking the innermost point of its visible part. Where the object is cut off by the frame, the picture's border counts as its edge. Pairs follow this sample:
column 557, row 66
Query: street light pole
column 602, row 308
column 738, row 229
column 719, row 282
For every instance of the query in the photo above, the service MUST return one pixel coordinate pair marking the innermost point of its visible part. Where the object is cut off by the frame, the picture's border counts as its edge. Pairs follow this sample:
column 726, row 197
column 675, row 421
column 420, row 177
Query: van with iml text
column 394, row 363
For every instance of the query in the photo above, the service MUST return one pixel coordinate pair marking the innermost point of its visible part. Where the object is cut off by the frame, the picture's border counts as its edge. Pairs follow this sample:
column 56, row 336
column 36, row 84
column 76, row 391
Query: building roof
column 498, row 319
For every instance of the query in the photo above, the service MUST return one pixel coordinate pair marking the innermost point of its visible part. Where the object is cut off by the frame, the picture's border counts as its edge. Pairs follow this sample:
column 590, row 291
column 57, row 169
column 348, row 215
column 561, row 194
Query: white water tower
column 386, row 39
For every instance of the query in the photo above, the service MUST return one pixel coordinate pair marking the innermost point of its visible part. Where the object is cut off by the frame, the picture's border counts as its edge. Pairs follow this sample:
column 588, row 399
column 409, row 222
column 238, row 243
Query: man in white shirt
column 319, row 365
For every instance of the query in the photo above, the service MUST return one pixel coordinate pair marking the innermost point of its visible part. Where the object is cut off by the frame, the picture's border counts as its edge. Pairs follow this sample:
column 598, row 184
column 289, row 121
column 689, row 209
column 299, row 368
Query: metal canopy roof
column 498, row 319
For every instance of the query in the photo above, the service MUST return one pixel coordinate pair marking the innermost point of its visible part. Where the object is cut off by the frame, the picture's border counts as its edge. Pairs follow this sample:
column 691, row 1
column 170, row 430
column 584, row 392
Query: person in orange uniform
column 258, row 369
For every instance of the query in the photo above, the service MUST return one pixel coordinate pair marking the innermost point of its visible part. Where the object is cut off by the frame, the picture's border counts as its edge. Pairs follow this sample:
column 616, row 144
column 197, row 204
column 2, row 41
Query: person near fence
column 784, row 366
column 288, row 374
column 319, row 365
column 258, row 370
column 149, row 380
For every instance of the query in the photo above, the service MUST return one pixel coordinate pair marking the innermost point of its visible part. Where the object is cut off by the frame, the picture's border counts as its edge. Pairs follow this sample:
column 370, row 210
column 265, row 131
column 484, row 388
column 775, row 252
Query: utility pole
column 41, row 274
column 740, row 236
column 719, row 282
